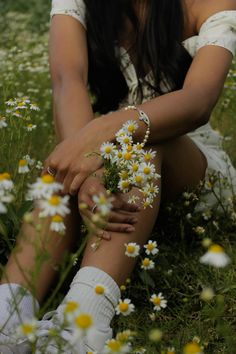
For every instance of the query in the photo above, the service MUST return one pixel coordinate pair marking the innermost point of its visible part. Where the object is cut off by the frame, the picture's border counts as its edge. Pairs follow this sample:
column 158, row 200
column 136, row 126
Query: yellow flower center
column 127, row 156
column 83, row 321
column 134, row 167
column 139, row 147
column 138, row 179
column 130, row 128
column 119, row 155
column 216, row 249
column 22, row 163
column 107, row 149
column 20, row 104
column 54, row 200
column 156, row 300
column 126, row 140
column 57, row 218
column 146, row 262
column 147, row 157
column 130, row 249
column 71, row 306
column 47, row 179
column 192, row 348
column 26, row 328
column 4, row 176
column 114, row 345
column 150, row 246
column 102, row 200
column 123, row 307
column 125, row 184
column 99, row 290
column 146, row 170
column 129, row 148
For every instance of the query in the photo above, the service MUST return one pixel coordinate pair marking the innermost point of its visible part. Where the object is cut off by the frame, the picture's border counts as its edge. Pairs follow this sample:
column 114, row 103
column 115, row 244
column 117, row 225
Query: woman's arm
column 68, row 59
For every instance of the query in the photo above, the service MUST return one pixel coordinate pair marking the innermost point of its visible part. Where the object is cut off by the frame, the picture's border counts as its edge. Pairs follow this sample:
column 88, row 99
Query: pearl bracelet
column 144, row 118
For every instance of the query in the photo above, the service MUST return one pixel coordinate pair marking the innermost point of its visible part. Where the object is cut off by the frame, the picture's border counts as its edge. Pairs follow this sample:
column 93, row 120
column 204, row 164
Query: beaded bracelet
column 144, row 118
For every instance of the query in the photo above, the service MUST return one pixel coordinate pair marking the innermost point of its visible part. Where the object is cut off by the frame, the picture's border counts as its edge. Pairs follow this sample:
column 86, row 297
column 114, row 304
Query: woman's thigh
column 181, row 165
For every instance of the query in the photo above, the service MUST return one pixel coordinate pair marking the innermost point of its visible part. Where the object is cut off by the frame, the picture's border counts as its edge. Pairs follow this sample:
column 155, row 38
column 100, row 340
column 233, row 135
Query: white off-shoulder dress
column 219, row 30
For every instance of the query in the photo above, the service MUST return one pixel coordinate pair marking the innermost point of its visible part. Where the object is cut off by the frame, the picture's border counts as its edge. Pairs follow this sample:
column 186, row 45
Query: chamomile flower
column 158, row 301
column 27, row 330
column 107, row 150
column 120, row 133
column 149, row 155
column 125, row 335
column 147, row 169
column 133, row 167
column 125, row 139
column 30, row 161
column 216, row 257
column 3, row 123
column 133, row 199
column 132, row 249
column 34, row 107
column 43, row 187
column 207, row 294
column 151, row 248
column 104, row 204
column 147, row 203
column 171, row 350
column 150, row 190
column 118, row 157
column 82, row 323
column 57, row 224
column 5, row 181
column 11, row 102
column 5, row 198
column 138, row 148
column 54, row 205
column 115, row 346
column 29, row 127
column 147, row 264
column 130, row 126
column 125, row 307
column 124, row 185
column 23, row 166
column 192, row 348
column 100, row 289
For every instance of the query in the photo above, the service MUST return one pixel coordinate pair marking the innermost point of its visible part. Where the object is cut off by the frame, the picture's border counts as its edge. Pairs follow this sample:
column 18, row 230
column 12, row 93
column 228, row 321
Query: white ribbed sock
column 100, row 307
column 17, row 304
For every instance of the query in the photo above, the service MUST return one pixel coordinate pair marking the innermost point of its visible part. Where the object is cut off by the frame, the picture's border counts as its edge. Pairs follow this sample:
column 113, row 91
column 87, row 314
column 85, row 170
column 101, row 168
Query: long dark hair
column 157, row 45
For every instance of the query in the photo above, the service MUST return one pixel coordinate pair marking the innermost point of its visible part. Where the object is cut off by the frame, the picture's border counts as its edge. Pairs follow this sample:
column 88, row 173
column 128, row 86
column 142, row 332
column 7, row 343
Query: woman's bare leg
column 181, row 165
column 31, row 245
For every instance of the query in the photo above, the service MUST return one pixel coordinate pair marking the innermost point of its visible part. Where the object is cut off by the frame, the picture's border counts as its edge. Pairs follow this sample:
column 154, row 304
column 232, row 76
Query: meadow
column 181, row 235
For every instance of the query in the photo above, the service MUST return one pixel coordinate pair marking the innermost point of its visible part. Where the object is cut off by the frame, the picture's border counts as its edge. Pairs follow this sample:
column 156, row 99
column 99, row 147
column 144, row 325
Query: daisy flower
column 150, row 190
column 171, row 350
column 138, row 148
column 158, row 301
column 3, row 123
column 151, row 248
column 57, row 224
column 125, row 307
column 104, row 204
column 125, row 139
column 29, row 127
column 107, row 150
column 124, row 185
column 132, row 249
column 100, row 289
column 149, row 155
column 27, row 330
column 133, row 167
column 216, row 257
column 207, row 294
column 118, row 157
column 125, row 335
column 192, row 348
column 147, row 203
column 130, row 126
column 147, row 169
column 11, row 102
column 147, row 264
column 70, row 310
column 115, row 346
column 133, row 199
column 54, row 205
column 5, row 198
column 5, row 181
column 82, row 323
column 34, row 107
column 23, row 166
column 43, row 187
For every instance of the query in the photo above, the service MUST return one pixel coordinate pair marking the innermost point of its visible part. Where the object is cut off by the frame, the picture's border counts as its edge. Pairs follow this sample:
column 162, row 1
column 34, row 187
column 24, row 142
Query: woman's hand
column 121, row 219
column 69, row 159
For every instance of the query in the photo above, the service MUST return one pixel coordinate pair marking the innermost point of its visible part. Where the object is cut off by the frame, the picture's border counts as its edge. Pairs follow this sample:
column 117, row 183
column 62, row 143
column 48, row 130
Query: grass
column 178, row 274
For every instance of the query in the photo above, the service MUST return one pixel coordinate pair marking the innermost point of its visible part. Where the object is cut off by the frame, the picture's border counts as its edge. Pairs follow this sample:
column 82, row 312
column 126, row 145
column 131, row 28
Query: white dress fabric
column 219, row 30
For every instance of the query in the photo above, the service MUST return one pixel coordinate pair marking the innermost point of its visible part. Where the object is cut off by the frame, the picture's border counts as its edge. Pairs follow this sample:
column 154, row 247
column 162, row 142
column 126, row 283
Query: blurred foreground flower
column 192, row 348
column 115, row 346
column 216, row 257
column 6, row 188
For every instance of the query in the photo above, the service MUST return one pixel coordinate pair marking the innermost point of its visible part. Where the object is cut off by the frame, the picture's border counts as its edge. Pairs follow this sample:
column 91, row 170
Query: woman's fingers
column 123, row 218
column 119, row 204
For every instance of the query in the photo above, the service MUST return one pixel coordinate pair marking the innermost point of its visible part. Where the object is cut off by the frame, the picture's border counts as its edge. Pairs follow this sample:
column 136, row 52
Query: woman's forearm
column 71, row 107
column 171, row 115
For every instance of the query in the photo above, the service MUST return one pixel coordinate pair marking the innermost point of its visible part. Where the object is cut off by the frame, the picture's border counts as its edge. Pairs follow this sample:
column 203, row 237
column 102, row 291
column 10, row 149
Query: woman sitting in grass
column 169, row 60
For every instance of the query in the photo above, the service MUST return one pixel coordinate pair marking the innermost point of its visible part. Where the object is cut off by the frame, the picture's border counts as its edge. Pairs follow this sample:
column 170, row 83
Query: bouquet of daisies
column 128, row 164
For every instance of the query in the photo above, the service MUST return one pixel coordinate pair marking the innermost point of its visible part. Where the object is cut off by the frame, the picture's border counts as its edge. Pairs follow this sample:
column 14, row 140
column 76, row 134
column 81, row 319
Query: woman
column 170, row 59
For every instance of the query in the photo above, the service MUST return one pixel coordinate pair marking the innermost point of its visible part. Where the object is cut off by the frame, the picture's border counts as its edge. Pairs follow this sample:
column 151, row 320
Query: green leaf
column 146, row 278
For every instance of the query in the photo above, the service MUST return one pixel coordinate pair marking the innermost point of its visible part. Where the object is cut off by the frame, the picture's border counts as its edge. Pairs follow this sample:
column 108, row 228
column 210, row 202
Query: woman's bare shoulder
column 202, row 9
